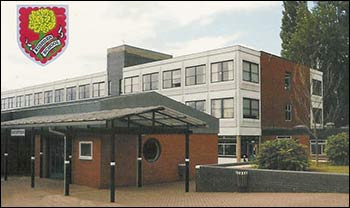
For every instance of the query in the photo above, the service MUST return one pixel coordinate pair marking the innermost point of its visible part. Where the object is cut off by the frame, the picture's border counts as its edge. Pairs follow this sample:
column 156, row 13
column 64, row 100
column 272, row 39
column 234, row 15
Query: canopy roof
column 141, row 116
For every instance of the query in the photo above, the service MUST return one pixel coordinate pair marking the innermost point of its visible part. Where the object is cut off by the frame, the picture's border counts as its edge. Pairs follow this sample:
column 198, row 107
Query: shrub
column 337, row 149
column 282, row 154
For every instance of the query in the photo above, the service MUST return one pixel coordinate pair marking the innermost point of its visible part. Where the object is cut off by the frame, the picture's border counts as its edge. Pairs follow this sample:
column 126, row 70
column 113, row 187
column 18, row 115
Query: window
column 250, row 72
column 71, row 93
column 98, row 89
column 38, row 98
column 84, row 91
column 288, row 112
column 287, row 80
column 3, row 104
column 48, row 97
column 28, row 100
column 131, row 84
column 317, row 115
column 222, row 108
column 198, row 105
column 151, row 150
column 227, row 146
column 85, row 150
column 172, row 78
column 316, row 87
column 222, row 71
column 250, row 108
column 10, row 102
column 195, row 75
column 321, row 147
column 19, row 101
column 150, row 81
column 59, row 95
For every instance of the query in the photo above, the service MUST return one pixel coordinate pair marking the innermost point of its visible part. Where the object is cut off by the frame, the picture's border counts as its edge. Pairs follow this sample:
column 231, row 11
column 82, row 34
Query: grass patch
column 326, row 167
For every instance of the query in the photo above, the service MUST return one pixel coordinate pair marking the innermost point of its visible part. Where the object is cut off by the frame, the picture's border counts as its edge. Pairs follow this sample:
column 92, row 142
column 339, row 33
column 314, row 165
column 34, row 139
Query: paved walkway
column 17, row 192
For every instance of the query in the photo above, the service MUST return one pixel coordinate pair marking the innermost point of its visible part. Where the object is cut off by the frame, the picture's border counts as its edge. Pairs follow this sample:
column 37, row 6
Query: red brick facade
column 274, row 97
column 96, row 172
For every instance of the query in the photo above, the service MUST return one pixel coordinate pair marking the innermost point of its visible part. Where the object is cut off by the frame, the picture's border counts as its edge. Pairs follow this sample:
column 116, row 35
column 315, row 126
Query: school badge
column 42, row 32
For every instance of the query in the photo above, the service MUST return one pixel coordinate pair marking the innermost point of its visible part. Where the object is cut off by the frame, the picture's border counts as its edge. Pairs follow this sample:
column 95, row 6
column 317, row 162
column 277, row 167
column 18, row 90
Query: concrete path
column 17, row 192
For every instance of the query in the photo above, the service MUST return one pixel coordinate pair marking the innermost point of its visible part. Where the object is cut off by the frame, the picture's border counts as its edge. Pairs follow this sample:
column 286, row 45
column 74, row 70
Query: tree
column 337, row 149
column 289, row 23
column 321, row 41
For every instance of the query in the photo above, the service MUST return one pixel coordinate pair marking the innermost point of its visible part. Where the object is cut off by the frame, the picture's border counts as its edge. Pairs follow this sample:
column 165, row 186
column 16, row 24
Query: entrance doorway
column 55, row 163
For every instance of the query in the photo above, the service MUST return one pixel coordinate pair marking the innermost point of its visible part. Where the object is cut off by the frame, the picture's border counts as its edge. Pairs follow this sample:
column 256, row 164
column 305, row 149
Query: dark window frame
column 158, row 153
column 317, row 88
column 86, row 91
column 221, row 72
column 195, row 104
column 288, row 80
column 59, row 95
column 196, row 67
column 171, row 78
column 71, row 94
column 250, row 115
column 250, row 72
column 132, row 84
column 151, row 87
column 222, row 107
column 99, row 91
column 38, row 98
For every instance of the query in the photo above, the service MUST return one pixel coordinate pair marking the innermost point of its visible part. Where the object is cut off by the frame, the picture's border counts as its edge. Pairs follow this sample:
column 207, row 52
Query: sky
column 176, row 28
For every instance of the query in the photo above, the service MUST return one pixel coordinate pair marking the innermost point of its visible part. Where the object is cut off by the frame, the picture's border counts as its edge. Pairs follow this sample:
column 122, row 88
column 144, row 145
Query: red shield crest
column 42, row 32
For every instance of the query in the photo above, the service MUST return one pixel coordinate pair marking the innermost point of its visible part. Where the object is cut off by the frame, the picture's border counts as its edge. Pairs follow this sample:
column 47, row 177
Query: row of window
column 195, row 75
column 51, row 96
column 224, row 107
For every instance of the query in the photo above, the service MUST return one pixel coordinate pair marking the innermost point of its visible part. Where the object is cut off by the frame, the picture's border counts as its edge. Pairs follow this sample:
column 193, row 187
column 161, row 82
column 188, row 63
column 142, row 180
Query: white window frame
column 81, row 157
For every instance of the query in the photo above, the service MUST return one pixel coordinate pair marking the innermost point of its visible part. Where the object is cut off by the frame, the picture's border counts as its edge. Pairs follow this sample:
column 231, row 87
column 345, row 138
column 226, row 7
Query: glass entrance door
column 56, row 156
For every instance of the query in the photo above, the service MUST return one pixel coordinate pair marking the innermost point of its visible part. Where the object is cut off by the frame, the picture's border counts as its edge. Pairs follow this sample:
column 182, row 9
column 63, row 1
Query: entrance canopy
column 140, row 116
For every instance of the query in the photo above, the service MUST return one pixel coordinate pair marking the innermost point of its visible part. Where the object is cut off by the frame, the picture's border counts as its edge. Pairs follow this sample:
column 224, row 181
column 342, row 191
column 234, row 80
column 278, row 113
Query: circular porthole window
column 151, row 150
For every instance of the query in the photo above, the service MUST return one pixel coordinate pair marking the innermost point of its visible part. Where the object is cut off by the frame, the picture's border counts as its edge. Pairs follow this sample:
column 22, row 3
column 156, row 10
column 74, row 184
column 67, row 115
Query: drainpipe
column 66, row 162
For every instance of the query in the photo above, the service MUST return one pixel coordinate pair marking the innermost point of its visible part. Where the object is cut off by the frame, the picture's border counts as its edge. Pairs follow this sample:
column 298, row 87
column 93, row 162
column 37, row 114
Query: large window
column 227, row 146
column 28, row 100
column 288, row 112
column 150, row 81
column 19, row 101
column 287, row 80
column 98, row 89
column 84, row 91
column 131, row 84
column 316, row 87
column 71, row 93
column 172, row 78
column 3, row 103
column 38, row 98
column 222, row 108
column 321, row 147
column 85, row 150
column 222, row 71
column 317, row 115
column 198, row 105
column 59, row 95
column 195, row 75
column 250, row 72
column 151, row 150
column 48, row 97
column 250, row 108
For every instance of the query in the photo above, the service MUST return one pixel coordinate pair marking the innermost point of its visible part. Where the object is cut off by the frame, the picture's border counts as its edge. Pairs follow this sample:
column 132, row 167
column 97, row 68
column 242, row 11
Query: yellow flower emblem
column 42, row 20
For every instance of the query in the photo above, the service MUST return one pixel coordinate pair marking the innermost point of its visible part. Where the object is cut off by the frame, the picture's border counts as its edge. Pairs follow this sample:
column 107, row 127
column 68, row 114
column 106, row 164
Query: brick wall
column 203, row 150
column 221, row 179
column 87, row 172
column 302, row 139
column 274, row 97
